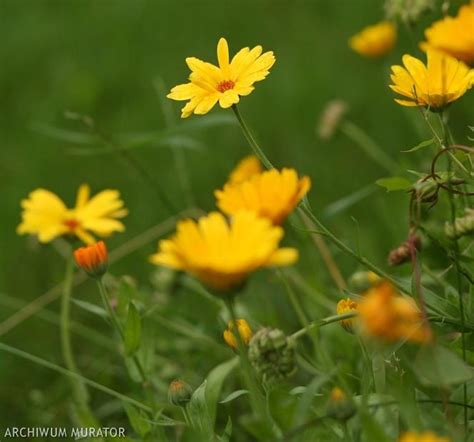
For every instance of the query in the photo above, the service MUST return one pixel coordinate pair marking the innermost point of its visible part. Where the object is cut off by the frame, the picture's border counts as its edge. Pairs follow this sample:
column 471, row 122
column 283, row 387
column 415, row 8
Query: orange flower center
column 71, row 224
column 225, row 85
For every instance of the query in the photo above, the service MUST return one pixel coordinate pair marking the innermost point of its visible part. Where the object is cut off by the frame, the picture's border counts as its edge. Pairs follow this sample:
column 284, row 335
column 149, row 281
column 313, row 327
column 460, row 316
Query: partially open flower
column 93, row 259
column 179, row 392
column 223, row 254
column 272, row 194
column 244, row 331
column 347, row 306
column 386, row 314
column 245, row 169
column 434, row 85
column 376, row 40
column 425, row 436
column 339, row 405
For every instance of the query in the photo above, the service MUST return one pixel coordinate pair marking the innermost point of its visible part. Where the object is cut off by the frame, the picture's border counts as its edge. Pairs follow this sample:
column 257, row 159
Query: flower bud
column 408, row 11
column 272, row 354
column 179, row 392
column 402, row 253
column 93, row 259
column 361, row 281
column 244, row 330
column 339, row 405
column 331, row 118
column 346, row 306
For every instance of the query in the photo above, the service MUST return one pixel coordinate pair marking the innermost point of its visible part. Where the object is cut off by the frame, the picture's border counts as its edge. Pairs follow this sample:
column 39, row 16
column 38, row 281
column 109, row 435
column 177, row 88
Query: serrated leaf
column 421, row 145
column 395, row 183
column 233, row 395
column 132, row 332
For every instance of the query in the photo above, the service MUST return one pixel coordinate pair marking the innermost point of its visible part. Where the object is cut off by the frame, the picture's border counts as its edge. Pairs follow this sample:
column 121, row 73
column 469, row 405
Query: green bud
column 179, row 392
column 339, row 405
column 361, row 281
column 272, row 354
column 462, row 226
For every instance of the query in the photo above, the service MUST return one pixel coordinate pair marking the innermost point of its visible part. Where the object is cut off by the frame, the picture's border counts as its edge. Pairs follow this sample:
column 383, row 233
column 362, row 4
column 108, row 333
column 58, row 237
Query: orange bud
column 93, row 259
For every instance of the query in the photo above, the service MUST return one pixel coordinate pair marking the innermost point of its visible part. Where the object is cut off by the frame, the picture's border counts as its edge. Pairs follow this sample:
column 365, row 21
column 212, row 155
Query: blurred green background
column 105, row 59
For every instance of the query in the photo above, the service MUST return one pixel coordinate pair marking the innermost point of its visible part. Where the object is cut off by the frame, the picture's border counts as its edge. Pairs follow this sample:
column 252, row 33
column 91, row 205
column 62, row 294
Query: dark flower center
column 225, row 85
column 71, row 224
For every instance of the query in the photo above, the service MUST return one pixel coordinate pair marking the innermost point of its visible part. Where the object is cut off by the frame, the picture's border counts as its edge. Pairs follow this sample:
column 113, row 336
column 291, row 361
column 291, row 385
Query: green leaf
column 138, row 420
column 199, row 413
column 233, row 395
column 215, row 379
column 421, row 145
column 437, row 366
column 133, row 328
column 395, row 183
column 227, row 432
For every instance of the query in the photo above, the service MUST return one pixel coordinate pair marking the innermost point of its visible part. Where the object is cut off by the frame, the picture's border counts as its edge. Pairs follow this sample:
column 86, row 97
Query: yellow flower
column 45, row 215
column 225, row 83
column 453, row 35
column 220, row 254
column 426, row 436
column 386, row 314
column 271, row 194
column 442, row 81
column 375, row 40
column 247, row 168
column 346, row 306
column 244, row 330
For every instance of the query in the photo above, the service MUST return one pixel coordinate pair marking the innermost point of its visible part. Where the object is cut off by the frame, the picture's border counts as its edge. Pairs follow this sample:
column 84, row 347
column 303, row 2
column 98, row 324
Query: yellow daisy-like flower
column 386, row 314
column 453, row 35
column 346, row 306
column 244, row 330
column 272, row 194
column 226, row 83
column 426, row 436
column 45, row 215
column 223, row 254
column 247, row 168
column 374, row 41
column 442, row 81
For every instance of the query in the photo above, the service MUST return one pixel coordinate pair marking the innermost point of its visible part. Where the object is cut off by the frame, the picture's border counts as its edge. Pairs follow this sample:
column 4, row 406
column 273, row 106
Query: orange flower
column 92, row 259
column 386, row 314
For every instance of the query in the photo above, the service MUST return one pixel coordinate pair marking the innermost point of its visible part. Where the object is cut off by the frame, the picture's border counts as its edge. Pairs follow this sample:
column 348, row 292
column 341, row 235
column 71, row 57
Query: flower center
column 71, row 224
column 225, row 85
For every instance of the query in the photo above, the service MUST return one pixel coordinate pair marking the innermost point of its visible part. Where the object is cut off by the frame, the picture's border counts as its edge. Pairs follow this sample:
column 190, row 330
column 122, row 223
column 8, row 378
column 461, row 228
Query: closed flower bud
column 272, row 354
column 346, row 306
column 244, row 330
column 402, row 253
column 362, row 281
column 93, row 259
column 462, row 226
column 339, row 405
column 331, row 118
column 179, row 392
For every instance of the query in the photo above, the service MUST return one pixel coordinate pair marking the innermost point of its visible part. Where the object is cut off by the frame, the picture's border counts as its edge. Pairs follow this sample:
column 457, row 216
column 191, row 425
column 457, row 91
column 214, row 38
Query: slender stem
column 79, row 390
column 452, row 204
column 117, row 326
column 256, row 396
column 329, row 320
column 251, row 140
column 72, row 375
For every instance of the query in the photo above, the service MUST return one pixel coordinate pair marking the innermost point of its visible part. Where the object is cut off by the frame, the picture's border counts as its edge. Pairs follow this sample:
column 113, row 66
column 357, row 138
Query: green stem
column 452, row 204
column 79, row 390
column 257, row 398
column 329, row 320
column 117, row 326
column 73, row 375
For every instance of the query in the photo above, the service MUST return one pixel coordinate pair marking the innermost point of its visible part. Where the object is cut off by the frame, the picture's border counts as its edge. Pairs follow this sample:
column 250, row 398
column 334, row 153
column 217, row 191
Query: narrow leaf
column 133, row 328
column 421, row 145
